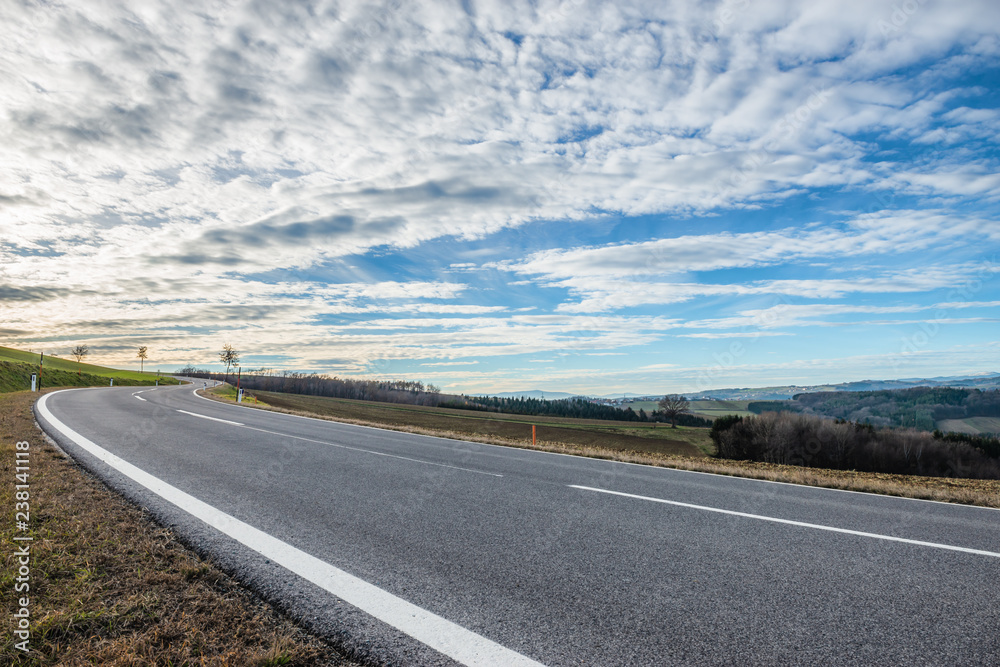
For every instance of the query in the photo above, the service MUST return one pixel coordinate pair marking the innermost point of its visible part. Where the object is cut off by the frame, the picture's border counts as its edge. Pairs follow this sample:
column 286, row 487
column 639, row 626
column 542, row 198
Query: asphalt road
column 394, row 543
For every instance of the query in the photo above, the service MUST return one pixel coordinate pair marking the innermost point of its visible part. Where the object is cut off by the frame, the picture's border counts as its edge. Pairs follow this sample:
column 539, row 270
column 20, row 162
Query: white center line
column 802, row 524
column 215, row 419
column 353, row 449
column 371, row 451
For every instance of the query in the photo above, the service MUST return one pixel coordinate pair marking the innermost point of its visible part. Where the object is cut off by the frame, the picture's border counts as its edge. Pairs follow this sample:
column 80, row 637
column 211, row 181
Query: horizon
column 624, row 394
column 639, row 198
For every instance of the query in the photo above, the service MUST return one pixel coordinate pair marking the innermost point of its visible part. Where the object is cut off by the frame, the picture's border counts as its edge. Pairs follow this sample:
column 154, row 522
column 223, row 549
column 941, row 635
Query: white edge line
column 789, row 522
column 626, row 463
column 215, row 419
column 368, row 451
column 355, row 449
column 436, row 632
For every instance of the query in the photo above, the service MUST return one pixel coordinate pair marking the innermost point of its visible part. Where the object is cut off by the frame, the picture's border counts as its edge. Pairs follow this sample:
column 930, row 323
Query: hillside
column 965, row 410
column 981, row 381
column 17, row 366
column 705, row 408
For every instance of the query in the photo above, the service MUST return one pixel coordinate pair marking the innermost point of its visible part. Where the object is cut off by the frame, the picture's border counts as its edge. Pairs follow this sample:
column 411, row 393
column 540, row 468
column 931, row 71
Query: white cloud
column 158, row 154
column 730, row 334
column 885, row 232
column 626, row 275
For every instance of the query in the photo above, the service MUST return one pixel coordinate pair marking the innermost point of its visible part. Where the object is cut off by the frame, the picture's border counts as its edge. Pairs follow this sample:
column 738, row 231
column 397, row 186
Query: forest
column 920, row 407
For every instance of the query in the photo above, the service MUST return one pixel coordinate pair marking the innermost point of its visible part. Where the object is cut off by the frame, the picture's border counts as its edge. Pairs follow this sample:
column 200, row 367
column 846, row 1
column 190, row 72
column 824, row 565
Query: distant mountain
column 533, row 393
column 986, row 380
column 628, row 394
column 557, row 395
column 979, row 381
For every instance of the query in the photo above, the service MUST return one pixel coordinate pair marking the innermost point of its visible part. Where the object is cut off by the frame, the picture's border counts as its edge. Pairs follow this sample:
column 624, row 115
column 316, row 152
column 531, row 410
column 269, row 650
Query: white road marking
column 215, row 419
column 354, row 449
column 140, row 398
column 439, row 633
column 659, row 469
column 802, row 524
column 372, row 451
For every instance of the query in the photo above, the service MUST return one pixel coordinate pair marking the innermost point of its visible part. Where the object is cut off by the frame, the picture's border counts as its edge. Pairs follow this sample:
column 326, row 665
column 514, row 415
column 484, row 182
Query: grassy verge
column 564, row 438
column 110, row 587
column 228, row 393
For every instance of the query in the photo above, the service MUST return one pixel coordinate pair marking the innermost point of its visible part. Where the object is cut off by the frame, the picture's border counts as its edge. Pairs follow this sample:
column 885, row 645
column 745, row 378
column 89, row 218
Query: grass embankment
column 17, row 377
column 17, row 366
column 110, row 587
column 229, row 393
column 607, row 440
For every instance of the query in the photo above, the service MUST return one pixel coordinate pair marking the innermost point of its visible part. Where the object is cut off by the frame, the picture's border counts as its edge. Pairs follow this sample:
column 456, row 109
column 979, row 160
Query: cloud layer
column 335, row 184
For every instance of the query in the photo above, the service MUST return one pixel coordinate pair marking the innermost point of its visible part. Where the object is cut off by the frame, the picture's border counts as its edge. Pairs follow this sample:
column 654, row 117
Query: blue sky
column 574, row 196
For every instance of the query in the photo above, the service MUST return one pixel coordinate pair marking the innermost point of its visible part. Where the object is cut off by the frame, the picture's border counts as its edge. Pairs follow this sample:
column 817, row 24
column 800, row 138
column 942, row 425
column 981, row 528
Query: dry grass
column 491, row 426
column 985, row 493
column 110, row 587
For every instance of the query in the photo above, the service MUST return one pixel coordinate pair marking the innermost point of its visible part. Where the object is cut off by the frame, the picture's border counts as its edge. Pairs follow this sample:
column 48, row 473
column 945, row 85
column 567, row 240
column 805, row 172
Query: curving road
column 417, row 550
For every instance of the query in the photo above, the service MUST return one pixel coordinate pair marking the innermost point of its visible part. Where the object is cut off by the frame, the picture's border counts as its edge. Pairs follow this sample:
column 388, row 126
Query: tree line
column 417, row 393
column 807, row 440
column 311, row 384
column 577, row 408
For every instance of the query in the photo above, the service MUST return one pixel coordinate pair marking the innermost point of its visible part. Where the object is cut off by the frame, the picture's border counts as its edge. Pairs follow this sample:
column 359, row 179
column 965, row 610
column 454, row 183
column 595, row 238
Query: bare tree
column 230, row 357
column 673, row 405
column 142, row 356
column 80, row 351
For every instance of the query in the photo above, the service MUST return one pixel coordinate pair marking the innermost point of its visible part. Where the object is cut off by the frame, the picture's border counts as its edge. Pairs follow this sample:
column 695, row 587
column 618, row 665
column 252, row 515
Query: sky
column 643, row 197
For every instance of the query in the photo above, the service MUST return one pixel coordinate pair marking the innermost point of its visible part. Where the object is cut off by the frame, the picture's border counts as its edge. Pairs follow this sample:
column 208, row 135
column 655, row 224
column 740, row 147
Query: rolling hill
column 17, row 366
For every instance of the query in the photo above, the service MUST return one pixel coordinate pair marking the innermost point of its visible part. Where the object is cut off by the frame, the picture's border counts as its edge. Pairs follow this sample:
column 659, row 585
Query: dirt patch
column 108, row 586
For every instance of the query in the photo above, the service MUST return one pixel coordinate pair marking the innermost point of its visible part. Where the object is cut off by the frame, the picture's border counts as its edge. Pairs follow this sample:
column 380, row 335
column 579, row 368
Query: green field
column 707, row 409
column 971, row 425
column 643, row 437
column 17, row 366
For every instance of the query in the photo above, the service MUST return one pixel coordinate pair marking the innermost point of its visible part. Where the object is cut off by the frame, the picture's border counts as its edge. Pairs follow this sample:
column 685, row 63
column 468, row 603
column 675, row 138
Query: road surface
column 417, row 550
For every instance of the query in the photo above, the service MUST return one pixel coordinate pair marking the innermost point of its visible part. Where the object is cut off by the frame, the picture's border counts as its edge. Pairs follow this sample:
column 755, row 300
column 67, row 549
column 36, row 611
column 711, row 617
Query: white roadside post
column 34, row 381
